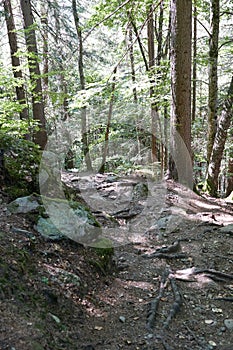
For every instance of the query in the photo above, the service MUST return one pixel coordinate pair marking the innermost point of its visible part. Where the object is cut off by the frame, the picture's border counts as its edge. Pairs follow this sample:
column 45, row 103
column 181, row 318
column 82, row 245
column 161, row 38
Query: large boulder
column 56, row 218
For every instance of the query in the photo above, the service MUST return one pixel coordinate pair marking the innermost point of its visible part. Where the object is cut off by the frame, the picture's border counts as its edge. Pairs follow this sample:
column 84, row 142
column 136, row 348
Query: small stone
column 229, row 324
column 212, row 343
column 150, row 336
column 217, row 310
column 209, row 321
column 122, row 319
column 223, row 329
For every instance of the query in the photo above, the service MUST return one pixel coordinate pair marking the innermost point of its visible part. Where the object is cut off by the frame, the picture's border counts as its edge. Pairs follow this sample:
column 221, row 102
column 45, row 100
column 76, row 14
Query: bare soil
column 166, row 289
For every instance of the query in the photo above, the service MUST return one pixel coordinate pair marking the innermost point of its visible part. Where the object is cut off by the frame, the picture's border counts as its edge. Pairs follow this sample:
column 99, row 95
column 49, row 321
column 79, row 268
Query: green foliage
column 105, row 251
column 22, row 160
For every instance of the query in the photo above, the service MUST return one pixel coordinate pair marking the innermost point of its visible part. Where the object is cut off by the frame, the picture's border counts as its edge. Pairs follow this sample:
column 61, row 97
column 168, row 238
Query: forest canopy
column 118, row 86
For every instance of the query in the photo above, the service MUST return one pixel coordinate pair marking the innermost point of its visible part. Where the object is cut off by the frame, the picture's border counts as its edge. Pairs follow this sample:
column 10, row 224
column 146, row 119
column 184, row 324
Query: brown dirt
column 42, row 310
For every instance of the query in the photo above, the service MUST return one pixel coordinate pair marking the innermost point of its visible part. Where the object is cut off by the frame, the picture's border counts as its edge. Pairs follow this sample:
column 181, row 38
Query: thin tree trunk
column 82, row 84
column 139, row 42
column 229, row 182
column 106, row 137
column 131, row 56
column 17, row 72
column 219, row 143
column 40, row 136
column 63, row 89
column 44, row 22
column 213, row 78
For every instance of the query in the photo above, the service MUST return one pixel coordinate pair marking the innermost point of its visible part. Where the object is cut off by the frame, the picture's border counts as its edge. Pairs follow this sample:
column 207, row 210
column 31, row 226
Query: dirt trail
column 172, row 287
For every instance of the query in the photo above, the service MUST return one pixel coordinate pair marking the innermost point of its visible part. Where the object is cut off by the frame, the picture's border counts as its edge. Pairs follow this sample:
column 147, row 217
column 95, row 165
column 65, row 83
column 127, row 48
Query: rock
column 48, row 230
column 229, row 324
column 69, row 219
column 140, row 192
column 24, row 205
column 169, row 223
column 122, row 319
column 227, row 229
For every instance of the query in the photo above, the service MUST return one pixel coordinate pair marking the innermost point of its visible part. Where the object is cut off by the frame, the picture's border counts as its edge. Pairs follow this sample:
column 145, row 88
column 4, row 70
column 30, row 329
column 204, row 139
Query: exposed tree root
column 169, row 252
column 191, row 275
column 176, row 305
column 151, row 318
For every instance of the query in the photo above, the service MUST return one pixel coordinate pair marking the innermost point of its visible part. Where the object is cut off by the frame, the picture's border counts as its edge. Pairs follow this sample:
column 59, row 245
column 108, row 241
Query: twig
column 198, row 341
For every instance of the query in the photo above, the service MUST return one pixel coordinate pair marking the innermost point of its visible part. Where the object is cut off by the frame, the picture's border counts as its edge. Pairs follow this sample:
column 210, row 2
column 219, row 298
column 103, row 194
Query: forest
column 116, row 174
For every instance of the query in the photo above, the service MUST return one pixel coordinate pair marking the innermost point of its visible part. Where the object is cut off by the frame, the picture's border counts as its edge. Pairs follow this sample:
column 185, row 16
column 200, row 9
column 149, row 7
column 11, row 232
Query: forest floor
column 171, row 286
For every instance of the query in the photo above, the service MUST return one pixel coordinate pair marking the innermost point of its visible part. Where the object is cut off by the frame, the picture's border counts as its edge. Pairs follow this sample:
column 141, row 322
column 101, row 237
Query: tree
column 82, row 84
column 151, row 65
column 181, row 36
column 17, row 72
column 40, row 136
column 213, row 77
column 219, row 143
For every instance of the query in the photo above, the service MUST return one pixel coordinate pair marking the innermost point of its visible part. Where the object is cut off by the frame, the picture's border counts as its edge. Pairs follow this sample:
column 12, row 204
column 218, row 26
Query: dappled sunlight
column 124, row 290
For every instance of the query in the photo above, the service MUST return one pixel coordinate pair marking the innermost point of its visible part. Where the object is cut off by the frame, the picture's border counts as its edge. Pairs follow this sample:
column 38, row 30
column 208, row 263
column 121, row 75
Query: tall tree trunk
column 40, row 136
column 151, row 64
column 181, row 42
column 82, row 84
column 17, row 72
column 219, row 143
column 213, row 77
column 194, row 97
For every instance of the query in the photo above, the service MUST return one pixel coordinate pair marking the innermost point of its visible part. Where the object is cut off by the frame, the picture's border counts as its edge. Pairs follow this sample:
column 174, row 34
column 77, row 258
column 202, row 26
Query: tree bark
column 180, row 167
column 82, row 84
column 213, row 78
column 106, row 137
column 151, row 64
column 132, row 65
column 219, row 143
column 194, row 96
column 229, row 180
column 44, row 22
column 40, row 136
column 17, row 72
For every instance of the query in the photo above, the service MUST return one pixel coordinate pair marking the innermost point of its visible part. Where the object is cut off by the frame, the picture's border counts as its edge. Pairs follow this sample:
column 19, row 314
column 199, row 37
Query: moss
column 21, row 163
column 105, row 251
